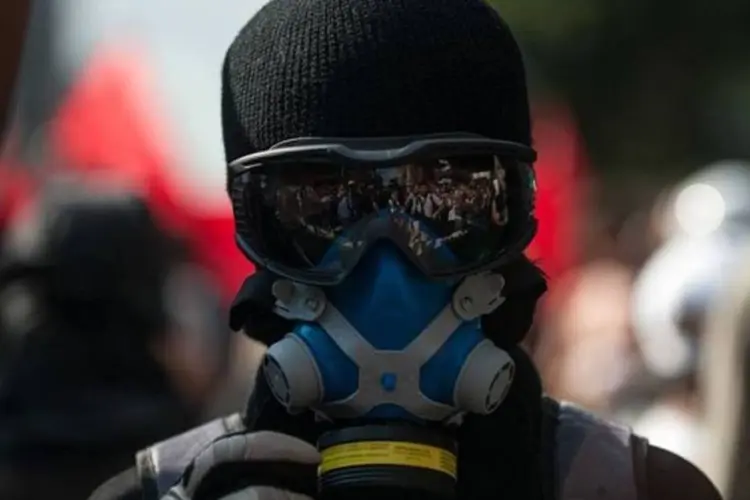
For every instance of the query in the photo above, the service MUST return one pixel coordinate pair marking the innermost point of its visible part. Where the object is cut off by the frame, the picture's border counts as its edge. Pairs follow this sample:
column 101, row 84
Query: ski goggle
column 308, row 209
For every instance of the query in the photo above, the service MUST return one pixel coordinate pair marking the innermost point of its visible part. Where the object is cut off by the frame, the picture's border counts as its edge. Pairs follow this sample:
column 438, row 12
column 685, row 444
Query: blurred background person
column 584, row 351
column 116, row 340
column 705, row 227
column 115, row 106
column 725, row 384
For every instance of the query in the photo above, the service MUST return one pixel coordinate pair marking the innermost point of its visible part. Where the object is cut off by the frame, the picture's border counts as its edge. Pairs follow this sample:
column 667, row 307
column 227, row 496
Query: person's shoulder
column 161, row 465
column 594, row 454
column 671, row 477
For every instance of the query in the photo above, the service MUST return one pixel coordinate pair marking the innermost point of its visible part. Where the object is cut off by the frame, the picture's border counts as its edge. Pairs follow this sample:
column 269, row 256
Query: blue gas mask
column 385, row 251
column 389, row 343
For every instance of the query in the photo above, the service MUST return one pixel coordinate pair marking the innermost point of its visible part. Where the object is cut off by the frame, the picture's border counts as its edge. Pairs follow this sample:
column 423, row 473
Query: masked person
column 96, row 371
column 393, row 367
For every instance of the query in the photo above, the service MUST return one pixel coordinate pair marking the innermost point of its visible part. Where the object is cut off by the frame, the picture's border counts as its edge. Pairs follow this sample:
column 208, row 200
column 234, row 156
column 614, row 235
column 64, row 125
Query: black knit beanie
column 372, row 68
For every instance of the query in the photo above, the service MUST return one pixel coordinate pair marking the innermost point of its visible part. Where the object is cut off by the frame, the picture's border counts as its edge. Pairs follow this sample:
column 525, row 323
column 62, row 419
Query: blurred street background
column 642, row 124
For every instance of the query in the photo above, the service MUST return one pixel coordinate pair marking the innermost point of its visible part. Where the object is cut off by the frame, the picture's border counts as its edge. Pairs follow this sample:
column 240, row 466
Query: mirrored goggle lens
column 446, row 213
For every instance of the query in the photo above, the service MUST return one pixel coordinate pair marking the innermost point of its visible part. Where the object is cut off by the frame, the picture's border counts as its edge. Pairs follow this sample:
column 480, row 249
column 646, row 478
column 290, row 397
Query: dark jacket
column 72, row 415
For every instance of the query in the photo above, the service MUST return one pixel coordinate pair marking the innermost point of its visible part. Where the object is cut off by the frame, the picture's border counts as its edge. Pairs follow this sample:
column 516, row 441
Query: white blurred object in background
column 706, row 224
column 716, row 198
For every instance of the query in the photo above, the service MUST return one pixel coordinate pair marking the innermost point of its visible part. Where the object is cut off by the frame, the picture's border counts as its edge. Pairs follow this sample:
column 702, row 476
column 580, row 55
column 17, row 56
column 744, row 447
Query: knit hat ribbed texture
column 372, row 68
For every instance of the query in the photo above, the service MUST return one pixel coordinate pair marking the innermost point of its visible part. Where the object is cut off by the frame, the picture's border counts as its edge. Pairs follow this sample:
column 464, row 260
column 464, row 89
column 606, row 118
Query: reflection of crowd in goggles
column 451, row 203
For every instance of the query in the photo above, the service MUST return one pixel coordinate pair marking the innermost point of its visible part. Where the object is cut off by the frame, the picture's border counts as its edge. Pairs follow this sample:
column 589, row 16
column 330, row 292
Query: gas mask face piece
column 389, row 344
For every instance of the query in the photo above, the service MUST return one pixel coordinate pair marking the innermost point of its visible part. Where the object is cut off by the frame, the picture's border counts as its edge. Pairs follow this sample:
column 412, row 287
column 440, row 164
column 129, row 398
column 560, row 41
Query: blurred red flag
column 561, row 170
column 16, row 188
column 110, row 125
